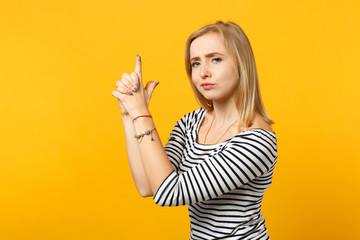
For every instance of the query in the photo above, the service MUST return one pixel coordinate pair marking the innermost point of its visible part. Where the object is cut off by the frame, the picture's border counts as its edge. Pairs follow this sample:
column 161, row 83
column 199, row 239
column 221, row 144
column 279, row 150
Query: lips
column 207, row 86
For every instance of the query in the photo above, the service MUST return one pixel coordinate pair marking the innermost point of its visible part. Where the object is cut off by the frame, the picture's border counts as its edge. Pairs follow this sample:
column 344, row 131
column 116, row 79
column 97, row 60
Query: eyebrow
column 206, row 55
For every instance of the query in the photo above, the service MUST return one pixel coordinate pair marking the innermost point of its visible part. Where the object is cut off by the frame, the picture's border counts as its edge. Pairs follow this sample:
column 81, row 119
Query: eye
column 217, row 59
column 195, row 64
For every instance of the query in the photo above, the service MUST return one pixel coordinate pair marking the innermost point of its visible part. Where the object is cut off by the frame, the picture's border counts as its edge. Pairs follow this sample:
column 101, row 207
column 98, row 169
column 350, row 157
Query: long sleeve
column 247, row 156
column 176, row 144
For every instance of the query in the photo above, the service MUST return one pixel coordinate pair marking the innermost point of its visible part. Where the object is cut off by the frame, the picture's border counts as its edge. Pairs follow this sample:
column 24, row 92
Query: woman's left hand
column 131, row 93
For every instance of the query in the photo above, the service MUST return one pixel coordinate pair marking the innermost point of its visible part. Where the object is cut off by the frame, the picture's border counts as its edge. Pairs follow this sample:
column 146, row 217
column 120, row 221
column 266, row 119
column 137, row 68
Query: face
column 213, row 70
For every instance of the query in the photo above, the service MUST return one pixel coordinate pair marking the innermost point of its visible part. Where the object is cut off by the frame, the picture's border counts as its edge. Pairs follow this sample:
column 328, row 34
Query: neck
column 225, row 111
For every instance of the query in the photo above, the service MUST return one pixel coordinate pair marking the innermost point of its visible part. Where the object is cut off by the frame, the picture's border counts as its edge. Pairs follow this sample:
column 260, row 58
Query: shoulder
column 260, row 123
column 256, row 140
column 188, row 120
column 193, row 116
column 196, row 113
column 261, row 134
column 255, row 145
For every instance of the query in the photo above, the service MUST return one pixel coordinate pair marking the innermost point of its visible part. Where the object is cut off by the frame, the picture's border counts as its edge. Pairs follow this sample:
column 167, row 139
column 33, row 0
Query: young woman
column 219, row 159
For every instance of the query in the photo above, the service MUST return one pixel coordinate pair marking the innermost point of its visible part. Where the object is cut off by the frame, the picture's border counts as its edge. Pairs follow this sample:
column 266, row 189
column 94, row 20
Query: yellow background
column 63, row 166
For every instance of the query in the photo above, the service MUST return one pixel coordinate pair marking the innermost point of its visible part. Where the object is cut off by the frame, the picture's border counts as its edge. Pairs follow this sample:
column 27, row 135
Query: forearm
column 134, row 158
column 149, row 155
column 154, row 158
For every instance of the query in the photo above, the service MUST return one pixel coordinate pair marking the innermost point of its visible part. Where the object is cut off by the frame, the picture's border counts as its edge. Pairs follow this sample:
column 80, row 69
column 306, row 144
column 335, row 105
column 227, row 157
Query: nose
column 204, row 71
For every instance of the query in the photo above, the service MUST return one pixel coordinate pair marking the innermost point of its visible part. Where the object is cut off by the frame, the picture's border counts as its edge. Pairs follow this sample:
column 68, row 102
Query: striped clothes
column 223, row 184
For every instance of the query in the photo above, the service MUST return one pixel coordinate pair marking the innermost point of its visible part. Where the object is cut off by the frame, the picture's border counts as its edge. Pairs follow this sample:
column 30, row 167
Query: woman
column 219, row 159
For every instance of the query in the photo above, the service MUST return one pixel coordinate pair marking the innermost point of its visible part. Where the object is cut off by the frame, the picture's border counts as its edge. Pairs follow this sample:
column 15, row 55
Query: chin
column 217, row 97
column 208, row 95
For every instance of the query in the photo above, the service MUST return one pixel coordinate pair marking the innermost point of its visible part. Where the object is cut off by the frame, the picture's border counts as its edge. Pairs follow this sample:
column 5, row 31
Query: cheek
column 193, row 81
column 232, row 76
column 229, row 75
column 194, row 76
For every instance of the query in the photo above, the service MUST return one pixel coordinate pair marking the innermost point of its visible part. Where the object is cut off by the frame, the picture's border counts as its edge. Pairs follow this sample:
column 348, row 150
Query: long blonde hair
column 249, row 101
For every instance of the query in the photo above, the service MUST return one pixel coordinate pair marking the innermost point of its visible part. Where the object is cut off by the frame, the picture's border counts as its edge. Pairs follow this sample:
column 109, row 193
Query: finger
column 121, row 88
column 135, row 79
column 150, row 86
column 138, row 69
column 128, row 82
column 138, row 66
column 116, row 94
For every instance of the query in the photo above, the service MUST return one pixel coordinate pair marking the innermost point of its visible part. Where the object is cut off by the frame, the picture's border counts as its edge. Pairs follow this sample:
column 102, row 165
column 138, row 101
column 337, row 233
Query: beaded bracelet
column 149, row 116
column 147, row 132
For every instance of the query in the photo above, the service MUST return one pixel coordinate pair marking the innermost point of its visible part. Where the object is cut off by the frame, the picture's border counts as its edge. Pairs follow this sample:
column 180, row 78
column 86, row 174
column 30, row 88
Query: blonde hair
column 249, row 101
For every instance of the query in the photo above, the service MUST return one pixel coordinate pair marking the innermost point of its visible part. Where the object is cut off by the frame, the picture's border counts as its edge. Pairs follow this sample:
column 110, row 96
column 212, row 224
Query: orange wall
column 63, row 166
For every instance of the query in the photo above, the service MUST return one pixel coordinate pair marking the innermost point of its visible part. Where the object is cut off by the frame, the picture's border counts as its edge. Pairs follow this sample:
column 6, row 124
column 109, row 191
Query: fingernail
column 133, row 89
column 137, row 86
column 138, row 58
column 130, row 93
column 157, row 83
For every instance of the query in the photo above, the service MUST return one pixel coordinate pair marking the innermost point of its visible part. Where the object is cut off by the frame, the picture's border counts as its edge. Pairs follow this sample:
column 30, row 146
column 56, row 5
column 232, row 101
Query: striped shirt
column 223, row 184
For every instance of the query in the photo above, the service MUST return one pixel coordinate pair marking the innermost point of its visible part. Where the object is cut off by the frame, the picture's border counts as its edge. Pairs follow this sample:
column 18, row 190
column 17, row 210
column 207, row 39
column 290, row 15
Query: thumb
column 150, row 86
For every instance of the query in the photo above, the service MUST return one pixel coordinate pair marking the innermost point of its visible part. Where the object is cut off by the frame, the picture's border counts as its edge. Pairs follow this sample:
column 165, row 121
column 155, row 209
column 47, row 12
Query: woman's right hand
column 149, row 88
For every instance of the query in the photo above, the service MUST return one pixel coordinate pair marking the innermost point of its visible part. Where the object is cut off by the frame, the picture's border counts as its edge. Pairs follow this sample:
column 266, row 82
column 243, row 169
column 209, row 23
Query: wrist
column 141, row 112
column 141, row 116
column 140, row 121
column 143, row 124
column 126, row 117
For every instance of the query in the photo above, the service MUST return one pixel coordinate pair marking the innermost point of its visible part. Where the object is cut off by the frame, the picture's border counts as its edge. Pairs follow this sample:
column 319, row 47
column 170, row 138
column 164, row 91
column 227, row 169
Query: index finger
column 138, row 66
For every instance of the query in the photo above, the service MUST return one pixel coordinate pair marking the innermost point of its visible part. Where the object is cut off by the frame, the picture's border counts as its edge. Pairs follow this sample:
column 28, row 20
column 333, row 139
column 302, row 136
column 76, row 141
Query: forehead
column 207, row 43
